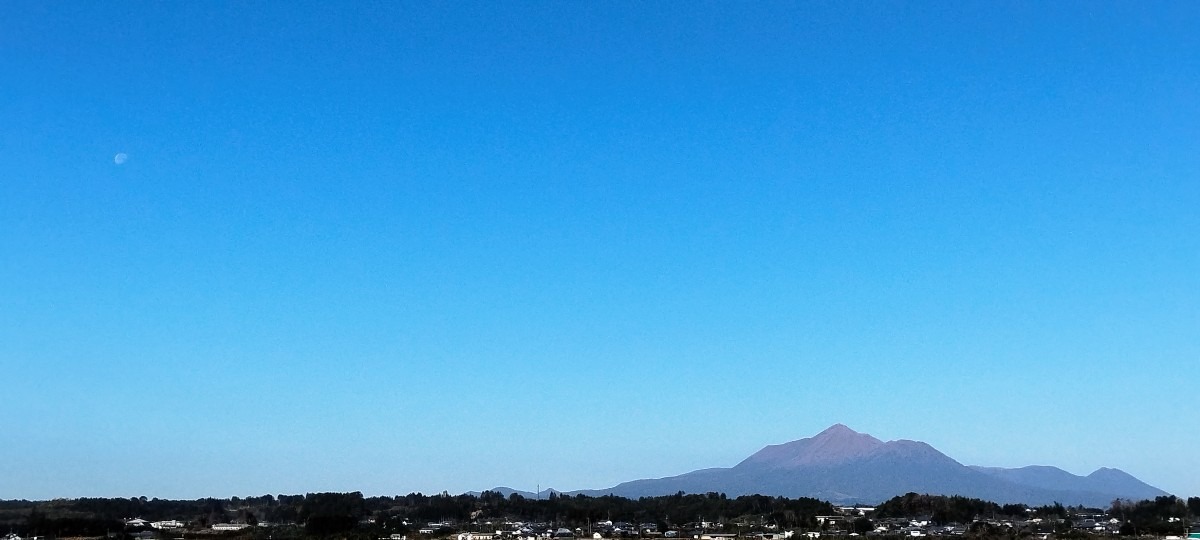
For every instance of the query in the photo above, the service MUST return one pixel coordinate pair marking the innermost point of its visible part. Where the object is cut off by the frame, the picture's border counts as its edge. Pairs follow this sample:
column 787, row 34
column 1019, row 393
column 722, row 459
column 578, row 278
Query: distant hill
column 843, row 466
column 506, row 491
column 1103, row 480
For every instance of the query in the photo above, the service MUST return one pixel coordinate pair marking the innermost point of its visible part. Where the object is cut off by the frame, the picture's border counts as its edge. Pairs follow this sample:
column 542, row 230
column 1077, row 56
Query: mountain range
column 843, row 466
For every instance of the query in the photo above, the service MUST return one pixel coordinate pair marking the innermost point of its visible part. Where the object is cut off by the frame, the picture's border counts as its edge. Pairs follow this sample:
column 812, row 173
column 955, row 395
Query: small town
column 491, row 516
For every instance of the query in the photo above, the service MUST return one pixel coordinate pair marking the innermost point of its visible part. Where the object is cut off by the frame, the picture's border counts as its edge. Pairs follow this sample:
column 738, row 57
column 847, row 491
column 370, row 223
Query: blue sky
column 398, row 247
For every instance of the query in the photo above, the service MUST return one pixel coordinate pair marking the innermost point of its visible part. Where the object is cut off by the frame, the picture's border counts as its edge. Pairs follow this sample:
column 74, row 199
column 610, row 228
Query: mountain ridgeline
column 843, row 466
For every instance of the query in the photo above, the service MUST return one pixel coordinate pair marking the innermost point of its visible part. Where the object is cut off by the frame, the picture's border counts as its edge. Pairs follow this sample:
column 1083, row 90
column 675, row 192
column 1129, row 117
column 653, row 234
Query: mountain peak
column 838, row 430
column 1118, row 481
column 837, row 444
column 845, row 466
column 1107, row 474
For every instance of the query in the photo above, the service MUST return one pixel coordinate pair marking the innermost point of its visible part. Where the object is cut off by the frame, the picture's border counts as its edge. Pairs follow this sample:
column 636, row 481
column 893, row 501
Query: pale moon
column 120, row 158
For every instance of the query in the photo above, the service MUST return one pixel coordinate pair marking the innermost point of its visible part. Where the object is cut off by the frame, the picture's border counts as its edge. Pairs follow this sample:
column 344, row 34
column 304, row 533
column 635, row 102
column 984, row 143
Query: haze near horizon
column 259, row 248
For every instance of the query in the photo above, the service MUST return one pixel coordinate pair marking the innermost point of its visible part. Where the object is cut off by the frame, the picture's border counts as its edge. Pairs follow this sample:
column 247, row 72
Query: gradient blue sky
column 397, row 247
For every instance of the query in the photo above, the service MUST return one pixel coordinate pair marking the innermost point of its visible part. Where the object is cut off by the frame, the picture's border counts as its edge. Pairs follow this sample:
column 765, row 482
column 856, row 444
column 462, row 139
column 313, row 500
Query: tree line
column 1162, row 516
column 323, row 514
column 331, row 513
